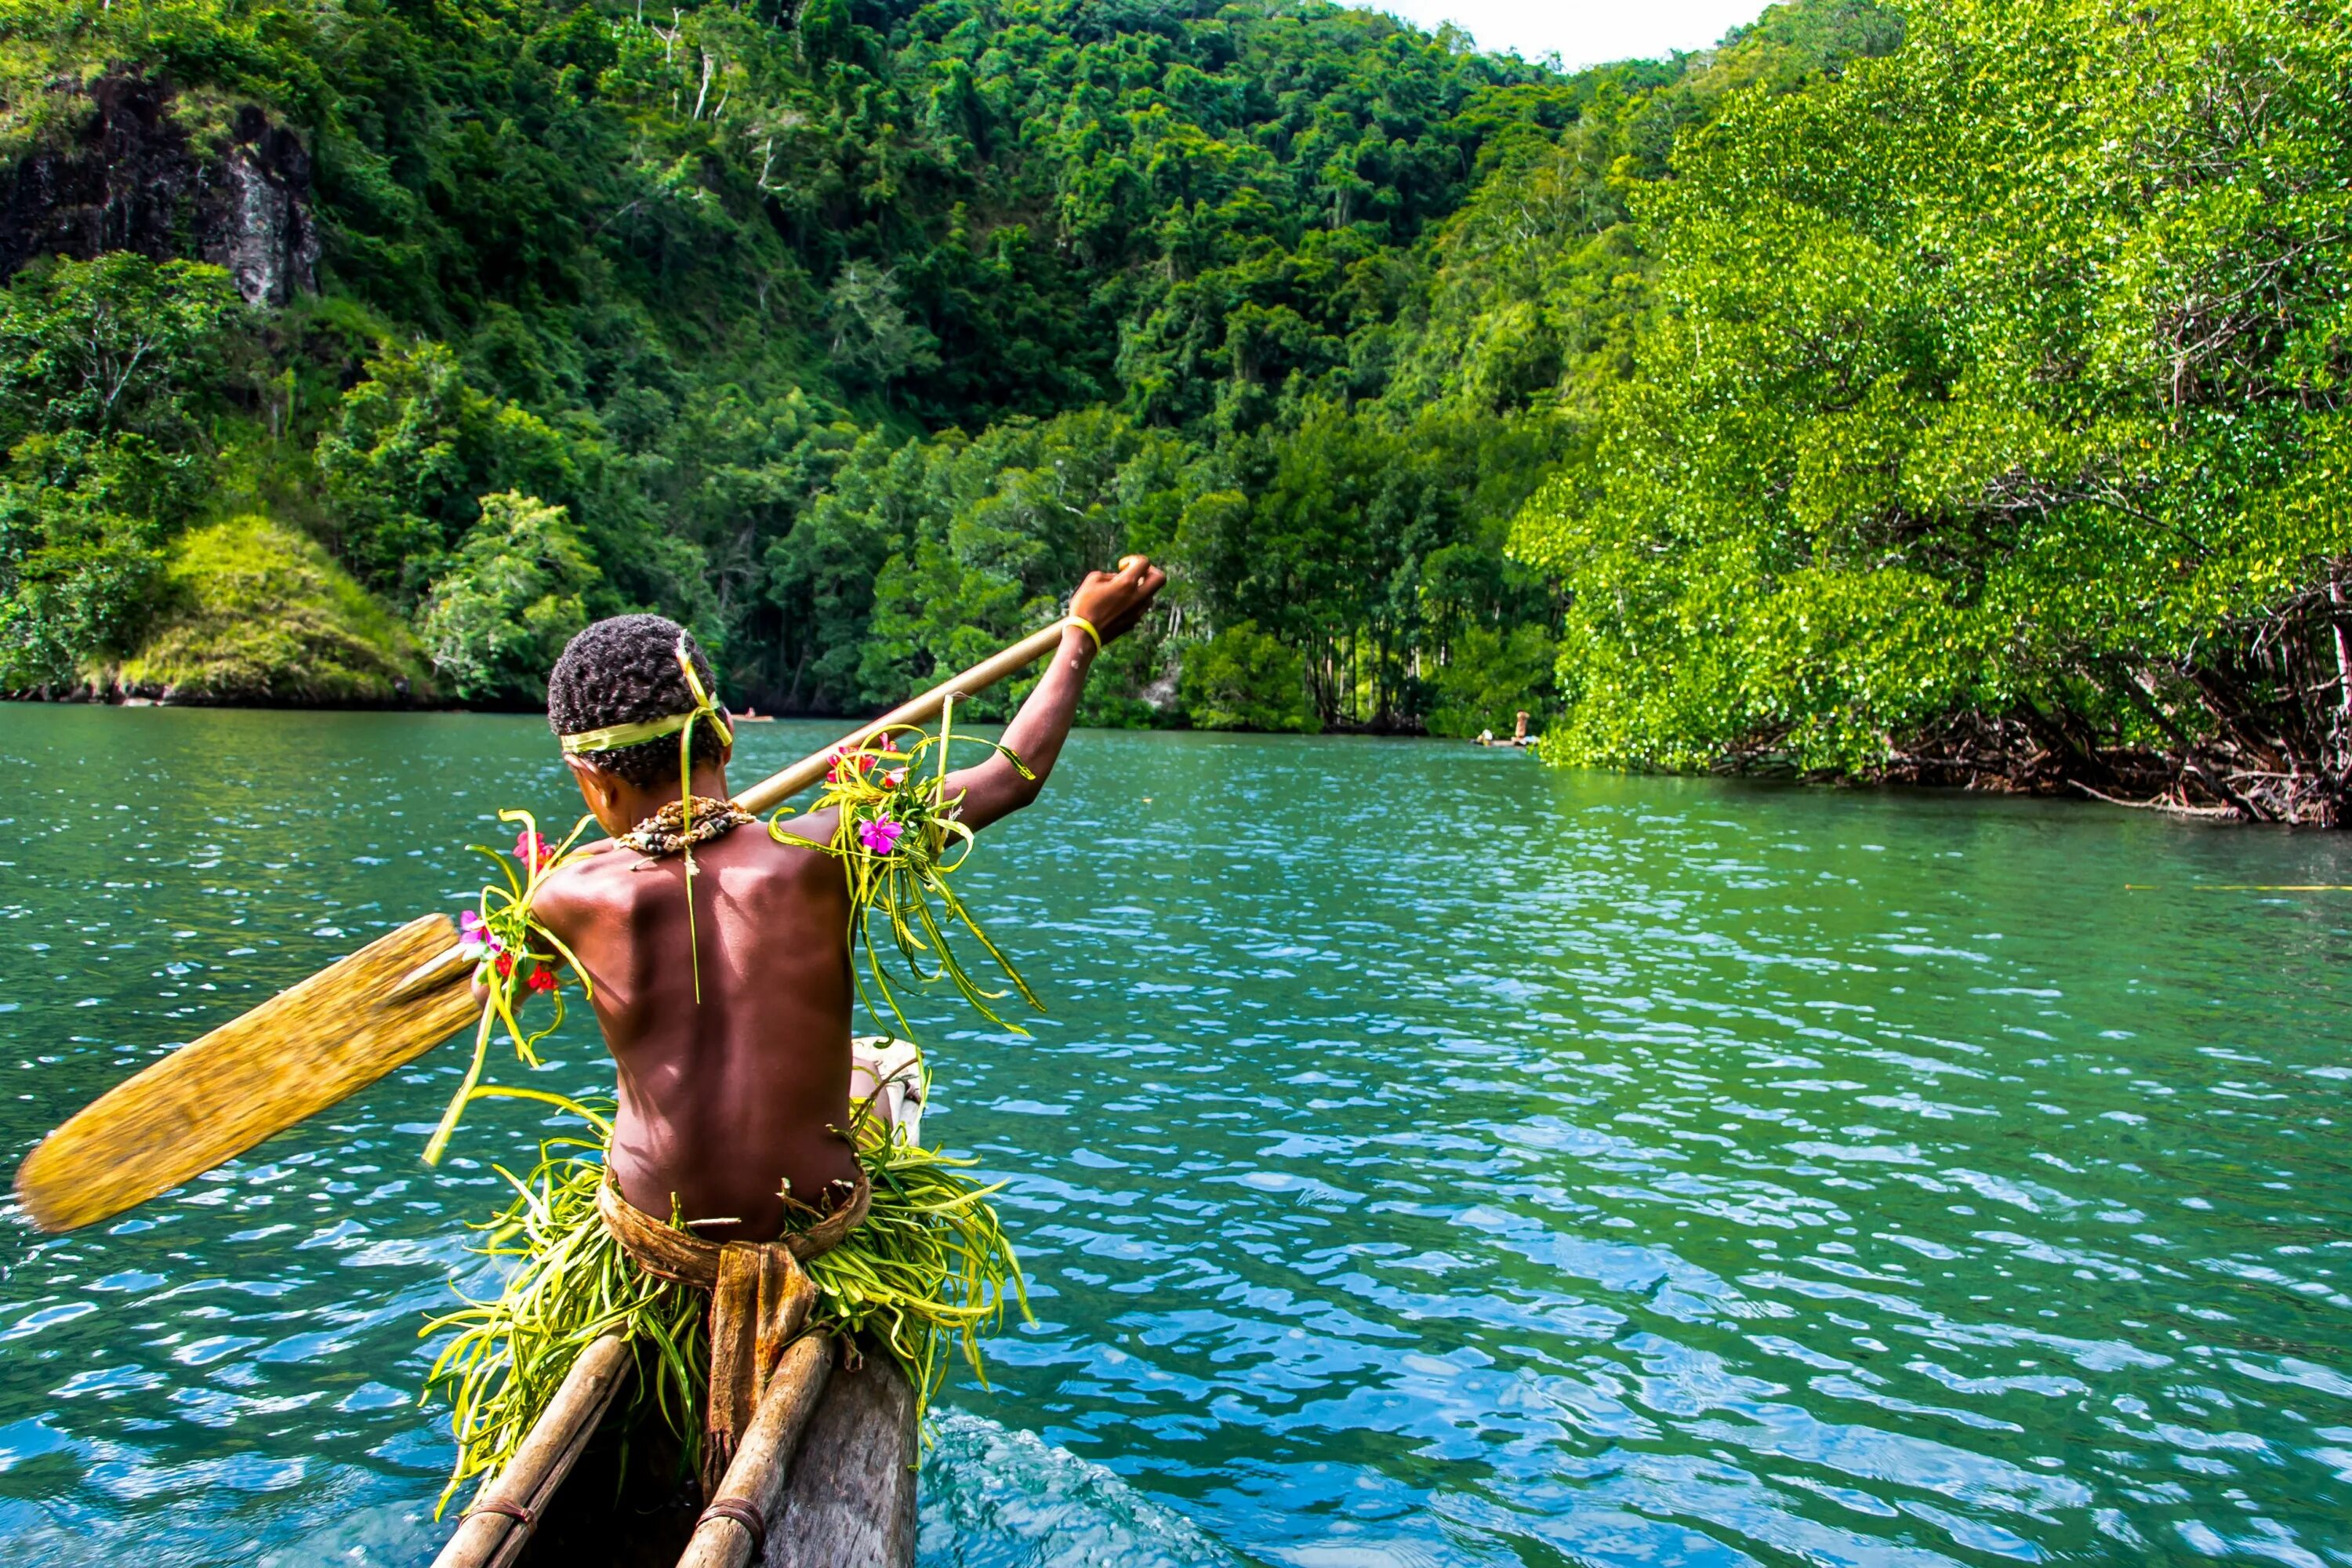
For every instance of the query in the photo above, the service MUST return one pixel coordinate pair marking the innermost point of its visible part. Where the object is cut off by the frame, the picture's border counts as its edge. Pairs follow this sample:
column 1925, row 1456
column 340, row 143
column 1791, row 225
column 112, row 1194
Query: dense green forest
column 849, row 331
column 1948, row 391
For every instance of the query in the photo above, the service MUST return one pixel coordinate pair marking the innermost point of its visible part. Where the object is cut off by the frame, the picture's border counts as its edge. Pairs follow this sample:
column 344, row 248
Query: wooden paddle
column 335, row 1033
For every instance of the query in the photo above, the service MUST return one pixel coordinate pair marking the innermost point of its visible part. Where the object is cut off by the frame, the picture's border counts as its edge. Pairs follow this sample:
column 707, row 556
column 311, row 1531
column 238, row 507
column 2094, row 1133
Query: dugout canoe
column 828, row 1462
column 829, row 1458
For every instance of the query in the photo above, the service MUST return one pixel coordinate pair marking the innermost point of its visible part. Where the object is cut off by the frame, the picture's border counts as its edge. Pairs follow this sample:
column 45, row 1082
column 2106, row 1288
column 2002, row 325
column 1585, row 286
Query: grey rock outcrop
column 263, row 233
column 129, row 179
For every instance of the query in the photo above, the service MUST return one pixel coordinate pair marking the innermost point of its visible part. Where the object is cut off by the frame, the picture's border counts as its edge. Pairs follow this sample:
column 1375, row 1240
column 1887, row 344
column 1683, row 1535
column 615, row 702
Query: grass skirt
column 929, row 1269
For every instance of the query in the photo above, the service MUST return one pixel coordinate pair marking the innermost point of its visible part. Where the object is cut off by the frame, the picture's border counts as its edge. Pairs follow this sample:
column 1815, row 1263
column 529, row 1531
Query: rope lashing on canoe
column 743, row 1511
column 500, row 1505
column 759, row 1301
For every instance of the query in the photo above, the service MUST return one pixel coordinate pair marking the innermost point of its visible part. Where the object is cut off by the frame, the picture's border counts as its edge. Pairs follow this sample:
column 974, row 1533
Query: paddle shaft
column 779, row 787
column 790, row 782
column 776, row 789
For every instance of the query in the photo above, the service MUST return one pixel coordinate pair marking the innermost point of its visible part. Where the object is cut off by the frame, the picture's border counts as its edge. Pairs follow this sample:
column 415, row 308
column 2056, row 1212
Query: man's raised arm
column 1113, row 602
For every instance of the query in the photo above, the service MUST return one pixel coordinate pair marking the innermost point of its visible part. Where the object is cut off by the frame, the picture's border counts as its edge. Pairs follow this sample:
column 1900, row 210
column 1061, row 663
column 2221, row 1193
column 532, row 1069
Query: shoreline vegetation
column 1839, row 403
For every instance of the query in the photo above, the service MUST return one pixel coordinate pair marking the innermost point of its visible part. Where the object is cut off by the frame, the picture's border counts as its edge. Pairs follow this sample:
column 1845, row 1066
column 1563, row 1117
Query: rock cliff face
column 130, row 180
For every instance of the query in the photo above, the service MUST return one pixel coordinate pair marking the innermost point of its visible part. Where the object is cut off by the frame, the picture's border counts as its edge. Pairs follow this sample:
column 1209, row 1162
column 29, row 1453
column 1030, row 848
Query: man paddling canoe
column 719, row 961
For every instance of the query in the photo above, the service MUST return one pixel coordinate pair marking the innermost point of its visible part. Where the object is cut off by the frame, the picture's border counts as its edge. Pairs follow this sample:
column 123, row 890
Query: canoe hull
column 851, row 1498
column 849, row 1503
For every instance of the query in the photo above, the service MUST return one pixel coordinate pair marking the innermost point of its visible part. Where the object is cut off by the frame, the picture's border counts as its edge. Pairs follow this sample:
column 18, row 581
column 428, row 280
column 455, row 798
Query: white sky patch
column 1580, row 32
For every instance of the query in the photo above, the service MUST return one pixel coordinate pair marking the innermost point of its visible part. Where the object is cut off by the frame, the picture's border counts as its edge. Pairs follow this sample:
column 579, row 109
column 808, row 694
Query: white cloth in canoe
column 896, row 1068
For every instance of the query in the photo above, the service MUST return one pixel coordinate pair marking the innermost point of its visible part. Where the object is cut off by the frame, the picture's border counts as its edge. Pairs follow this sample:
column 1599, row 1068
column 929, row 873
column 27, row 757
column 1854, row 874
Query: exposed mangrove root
column 2169, row 808
column 2254, row 726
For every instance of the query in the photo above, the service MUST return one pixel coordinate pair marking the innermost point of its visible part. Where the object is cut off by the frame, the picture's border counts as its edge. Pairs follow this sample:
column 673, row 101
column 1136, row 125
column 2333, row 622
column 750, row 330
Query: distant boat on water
column 1519, row 736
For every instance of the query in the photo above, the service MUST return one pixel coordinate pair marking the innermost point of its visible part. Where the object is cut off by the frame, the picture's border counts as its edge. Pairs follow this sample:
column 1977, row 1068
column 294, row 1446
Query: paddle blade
column 293, row 1057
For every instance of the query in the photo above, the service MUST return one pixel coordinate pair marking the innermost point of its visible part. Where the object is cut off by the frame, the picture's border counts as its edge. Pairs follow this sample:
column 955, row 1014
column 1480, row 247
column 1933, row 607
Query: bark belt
column 760, row 1300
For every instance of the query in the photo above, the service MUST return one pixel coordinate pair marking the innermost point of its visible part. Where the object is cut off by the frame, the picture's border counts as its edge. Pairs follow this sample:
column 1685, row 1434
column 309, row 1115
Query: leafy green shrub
column 496, row 622
column 68, row 602
column 1956, row 408
column 118, row 344
column 410, row 449
column 257, row 614
column 986, row 534
column 1243, row 678
column 874, row 341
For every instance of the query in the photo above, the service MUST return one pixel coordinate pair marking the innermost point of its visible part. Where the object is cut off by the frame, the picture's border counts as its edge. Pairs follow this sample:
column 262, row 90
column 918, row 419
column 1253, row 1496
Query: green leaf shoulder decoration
column 892, row 838
column 516, row 958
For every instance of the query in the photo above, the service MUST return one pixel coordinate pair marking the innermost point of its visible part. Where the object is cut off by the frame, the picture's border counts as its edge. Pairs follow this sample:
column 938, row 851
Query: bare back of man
column 733, row 1100
column 728, row 1102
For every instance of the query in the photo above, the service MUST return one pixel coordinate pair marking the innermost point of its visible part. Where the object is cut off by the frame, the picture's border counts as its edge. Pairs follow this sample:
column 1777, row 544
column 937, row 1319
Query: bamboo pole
column 764, row 1460
column 774, row 791
column 487, row 1538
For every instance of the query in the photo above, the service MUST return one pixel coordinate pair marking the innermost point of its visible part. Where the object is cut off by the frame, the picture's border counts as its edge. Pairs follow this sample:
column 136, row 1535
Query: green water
column 1429, row 1159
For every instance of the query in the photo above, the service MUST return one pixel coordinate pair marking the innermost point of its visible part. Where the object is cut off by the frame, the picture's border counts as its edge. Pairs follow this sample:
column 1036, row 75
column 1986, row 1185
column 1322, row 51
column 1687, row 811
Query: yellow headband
column 612, row 737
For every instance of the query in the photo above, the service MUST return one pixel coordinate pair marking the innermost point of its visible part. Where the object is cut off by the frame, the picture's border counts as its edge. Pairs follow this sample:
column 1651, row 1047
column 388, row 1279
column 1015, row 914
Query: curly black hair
column 625, row 671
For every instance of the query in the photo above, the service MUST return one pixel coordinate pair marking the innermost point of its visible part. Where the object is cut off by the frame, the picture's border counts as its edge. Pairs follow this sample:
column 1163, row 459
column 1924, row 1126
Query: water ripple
column 1428, row 1160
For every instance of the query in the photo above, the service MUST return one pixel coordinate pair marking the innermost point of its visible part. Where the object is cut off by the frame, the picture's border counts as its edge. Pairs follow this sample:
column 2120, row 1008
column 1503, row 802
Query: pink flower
column 880, row 836
column 476, row 939
column 531, row 849
column 894, row 778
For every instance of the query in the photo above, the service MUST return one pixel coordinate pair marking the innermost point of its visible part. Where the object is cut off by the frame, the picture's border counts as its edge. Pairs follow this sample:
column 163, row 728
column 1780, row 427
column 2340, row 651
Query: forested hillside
column 357, row 351
column 1952, row 393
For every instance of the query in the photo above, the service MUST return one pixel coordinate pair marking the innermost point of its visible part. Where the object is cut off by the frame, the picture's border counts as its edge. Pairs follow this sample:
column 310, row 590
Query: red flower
column 542, row 979
column 505, row 962
column 865, row 761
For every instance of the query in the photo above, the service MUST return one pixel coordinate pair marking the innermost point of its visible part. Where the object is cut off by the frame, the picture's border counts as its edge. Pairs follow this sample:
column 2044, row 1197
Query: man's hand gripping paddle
column 334, row 1033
